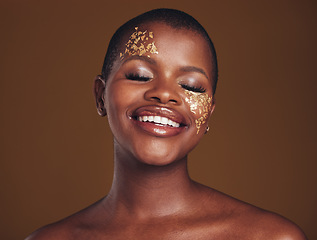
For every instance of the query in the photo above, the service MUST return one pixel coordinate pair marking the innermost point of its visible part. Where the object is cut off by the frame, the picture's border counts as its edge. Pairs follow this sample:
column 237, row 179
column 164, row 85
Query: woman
column 157, row 90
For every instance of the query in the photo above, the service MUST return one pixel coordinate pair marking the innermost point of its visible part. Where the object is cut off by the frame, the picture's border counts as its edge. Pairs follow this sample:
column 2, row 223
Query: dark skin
column 152, row 195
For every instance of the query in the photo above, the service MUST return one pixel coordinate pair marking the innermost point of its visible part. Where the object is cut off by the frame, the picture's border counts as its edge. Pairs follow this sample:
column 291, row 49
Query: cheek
column 120, row 94
column 120, row 97
column 200, row 105
column 118, row 100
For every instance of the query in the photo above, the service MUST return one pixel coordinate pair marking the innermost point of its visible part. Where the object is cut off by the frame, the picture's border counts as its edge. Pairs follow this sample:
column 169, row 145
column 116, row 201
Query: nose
column 163, row 92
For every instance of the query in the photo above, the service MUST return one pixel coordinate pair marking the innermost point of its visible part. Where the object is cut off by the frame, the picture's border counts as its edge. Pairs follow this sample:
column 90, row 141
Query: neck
column 145, row 190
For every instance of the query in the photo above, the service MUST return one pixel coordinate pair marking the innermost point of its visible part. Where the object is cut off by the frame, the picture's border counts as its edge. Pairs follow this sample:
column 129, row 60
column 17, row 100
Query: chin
column 158, row 157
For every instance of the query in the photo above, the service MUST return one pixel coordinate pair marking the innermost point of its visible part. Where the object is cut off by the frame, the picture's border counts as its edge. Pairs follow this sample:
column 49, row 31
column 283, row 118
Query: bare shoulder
column 70, row 227
column 268, row 225
column 278, row 227
column 50, row 232
column 245, row 221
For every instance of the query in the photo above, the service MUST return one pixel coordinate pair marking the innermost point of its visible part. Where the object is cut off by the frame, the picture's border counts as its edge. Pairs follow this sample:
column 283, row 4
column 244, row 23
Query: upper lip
column 153, row 110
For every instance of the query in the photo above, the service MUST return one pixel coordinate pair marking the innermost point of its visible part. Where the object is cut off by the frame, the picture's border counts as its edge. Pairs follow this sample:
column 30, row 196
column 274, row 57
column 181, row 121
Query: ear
column 99, row 91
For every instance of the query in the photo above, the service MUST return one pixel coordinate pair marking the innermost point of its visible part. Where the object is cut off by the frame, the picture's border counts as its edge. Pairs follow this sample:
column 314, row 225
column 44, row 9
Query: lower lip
column 158, row 130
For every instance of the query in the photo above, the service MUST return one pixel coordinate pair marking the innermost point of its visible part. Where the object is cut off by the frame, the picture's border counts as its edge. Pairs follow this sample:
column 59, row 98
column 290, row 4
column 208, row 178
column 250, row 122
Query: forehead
column 174, row 46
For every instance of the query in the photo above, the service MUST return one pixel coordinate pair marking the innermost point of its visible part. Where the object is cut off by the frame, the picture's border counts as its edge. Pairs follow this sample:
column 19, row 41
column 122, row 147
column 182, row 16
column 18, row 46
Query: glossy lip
column 157, row 129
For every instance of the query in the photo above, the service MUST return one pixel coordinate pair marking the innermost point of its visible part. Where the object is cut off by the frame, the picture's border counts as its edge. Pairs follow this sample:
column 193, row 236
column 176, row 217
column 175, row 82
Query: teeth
column 164, row 120
column 158, row 120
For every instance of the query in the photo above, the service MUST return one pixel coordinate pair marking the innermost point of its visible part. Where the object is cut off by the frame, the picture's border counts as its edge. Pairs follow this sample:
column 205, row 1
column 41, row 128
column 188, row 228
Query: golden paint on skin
column 139, row 44
column 199, row 103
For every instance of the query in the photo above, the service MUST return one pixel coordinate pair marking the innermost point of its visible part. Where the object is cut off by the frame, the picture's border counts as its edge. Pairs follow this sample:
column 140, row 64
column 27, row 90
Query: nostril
column 163, row 100
column 162, row 94
column 156, row 98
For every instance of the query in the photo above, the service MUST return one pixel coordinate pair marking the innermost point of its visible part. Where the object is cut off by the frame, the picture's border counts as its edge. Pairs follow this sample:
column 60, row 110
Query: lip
column 155, row 129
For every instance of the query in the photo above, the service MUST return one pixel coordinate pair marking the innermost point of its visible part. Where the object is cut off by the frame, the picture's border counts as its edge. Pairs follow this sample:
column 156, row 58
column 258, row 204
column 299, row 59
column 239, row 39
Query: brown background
column 56, row 153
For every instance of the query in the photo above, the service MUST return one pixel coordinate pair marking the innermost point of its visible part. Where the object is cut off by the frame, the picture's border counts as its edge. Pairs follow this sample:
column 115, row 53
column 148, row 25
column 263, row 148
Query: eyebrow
column 194, row 69
column 142, row 58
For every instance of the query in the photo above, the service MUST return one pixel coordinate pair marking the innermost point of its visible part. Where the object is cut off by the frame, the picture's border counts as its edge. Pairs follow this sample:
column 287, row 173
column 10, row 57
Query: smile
column 163, row 121
column 159, row 121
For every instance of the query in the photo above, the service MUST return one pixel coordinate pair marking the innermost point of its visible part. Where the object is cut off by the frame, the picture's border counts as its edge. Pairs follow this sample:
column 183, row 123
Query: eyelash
column 194, row 89
column 137, row 77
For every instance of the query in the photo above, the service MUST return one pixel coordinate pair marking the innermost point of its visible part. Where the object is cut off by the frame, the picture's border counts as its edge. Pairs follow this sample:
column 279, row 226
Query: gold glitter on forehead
column 199, row 103
column 139, row 44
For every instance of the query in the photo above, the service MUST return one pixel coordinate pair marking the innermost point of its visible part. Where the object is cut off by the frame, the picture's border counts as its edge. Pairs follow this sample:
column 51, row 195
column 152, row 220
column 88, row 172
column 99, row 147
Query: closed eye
column 137, row 77
column 194, row 89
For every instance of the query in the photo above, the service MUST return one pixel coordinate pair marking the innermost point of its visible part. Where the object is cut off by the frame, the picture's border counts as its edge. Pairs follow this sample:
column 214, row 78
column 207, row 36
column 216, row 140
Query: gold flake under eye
column 199, row 103
column 139, row 44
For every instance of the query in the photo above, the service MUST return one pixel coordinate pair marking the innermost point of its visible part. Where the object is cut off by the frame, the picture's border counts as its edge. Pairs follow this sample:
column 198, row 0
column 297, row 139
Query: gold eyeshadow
column 200, row 104
column 140, row 43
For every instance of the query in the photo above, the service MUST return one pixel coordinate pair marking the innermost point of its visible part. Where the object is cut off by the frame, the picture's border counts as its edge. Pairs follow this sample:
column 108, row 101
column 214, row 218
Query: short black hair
column 171, row 17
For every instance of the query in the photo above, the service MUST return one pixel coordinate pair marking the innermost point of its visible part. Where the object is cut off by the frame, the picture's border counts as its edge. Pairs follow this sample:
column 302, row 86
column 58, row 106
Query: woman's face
column 159, row 96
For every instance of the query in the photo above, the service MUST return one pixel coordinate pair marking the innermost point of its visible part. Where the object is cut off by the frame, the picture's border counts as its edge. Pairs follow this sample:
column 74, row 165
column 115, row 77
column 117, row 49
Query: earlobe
column 99, row 91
